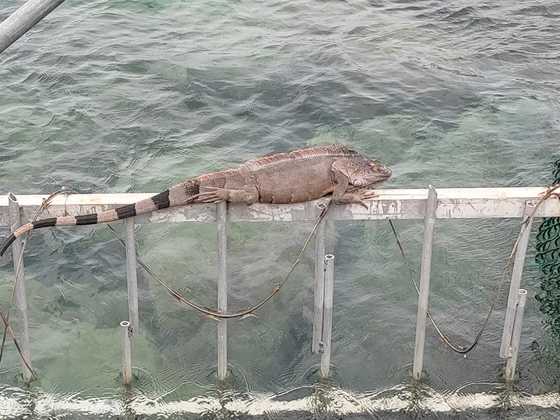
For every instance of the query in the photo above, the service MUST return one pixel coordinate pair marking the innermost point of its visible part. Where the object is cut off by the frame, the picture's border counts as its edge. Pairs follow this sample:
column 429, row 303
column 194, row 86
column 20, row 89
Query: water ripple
column 134, row 96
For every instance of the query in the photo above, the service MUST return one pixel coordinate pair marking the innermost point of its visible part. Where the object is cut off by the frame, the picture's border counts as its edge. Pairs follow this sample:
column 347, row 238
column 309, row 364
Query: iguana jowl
column 281, row 178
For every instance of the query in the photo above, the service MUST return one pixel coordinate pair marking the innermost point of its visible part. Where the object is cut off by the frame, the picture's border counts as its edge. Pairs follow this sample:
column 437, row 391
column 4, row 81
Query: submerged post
column 132, row 276
column 516, row 274
column 513, row 350
column 327, row 315
column 23, row 19
column 425, row 269
column 221, row 217
column 126, row 347
column 318, row 286
column 20, row 295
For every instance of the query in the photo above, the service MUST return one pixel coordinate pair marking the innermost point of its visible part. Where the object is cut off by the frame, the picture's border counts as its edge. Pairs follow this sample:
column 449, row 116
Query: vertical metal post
column 20, row 295
column 516, row 335
column 516, row 273
column 221, row 217
column 126, row 347
column 425, row 269
column 327, row 315
column 131, row 276
column 318, row 286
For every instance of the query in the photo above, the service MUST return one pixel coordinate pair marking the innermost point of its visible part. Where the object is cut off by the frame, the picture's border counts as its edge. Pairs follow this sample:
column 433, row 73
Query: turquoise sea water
column 133, row 96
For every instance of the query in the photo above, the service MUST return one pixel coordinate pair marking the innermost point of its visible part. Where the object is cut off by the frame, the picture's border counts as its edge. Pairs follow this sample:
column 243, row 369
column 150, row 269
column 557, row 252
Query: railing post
column 319, row 286
column 132, row 276
column 516, row 274
column 221, row 217
column 327, row 315
column 425, row 269
column 126, row 348
column 513, row 350
column 20, row 295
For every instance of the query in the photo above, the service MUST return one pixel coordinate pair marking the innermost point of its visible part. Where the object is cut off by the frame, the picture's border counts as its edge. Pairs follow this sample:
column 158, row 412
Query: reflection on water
column 320, row 401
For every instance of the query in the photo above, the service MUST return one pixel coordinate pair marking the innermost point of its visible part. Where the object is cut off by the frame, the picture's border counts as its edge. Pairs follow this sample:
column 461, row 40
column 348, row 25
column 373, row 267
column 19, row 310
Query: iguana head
column 363, row 172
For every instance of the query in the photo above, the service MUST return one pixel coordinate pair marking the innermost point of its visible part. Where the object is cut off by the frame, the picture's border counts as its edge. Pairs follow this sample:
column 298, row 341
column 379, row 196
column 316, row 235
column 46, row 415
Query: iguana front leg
column 215, row 194
column 341, row 196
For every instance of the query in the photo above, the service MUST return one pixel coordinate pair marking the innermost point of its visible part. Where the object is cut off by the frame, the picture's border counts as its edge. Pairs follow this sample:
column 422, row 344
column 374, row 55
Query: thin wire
column 457, row 348
column 6, row 318
column 443, row 336
column 214, row 313
column 462, row 349
column 8, row 328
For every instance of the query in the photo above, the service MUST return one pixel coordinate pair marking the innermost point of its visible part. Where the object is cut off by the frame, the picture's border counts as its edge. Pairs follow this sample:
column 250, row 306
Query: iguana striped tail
column 178, row 195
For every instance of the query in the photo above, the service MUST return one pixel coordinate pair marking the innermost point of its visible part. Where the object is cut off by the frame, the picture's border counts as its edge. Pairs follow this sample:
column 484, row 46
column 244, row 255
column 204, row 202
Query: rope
column 6, row 317
column 212, row 313
column 443, row 337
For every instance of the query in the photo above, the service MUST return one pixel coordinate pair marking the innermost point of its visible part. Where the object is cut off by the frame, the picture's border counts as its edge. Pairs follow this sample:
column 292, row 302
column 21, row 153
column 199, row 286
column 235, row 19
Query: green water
column 133, row 96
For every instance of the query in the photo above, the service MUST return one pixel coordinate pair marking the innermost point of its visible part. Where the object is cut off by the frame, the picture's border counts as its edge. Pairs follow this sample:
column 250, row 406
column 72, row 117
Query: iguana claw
column 366, row 195
column 207, row 198
column 218, row 194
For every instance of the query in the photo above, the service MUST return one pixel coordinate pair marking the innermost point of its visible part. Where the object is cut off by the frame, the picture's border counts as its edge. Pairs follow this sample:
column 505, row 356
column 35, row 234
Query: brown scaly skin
column 281, row 178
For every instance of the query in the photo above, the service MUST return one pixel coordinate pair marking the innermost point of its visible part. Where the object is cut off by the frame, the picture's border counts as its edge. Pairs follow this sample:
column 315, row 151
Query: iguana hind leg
column 357, row 197
column 215, row 194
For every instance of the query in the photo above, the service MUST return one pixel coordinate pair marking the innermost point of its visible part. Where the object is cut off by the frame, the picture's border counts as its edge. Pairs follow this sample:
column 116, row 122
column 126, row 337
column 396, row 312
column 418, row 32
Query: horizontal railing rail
column 427, row 204
column 453, row 203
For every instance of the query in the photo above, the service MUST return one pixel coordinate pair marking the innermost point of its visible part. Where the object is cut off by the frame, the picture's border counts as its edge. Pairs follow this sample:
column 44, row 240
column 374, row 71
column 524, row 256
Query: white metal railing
column 427, row 204
column 453, row 203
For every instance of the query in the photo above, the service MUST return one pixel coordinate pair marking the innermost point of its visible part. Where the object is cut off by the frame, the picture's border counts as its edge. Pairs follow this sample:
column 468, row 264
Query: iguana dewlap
column 281, row 178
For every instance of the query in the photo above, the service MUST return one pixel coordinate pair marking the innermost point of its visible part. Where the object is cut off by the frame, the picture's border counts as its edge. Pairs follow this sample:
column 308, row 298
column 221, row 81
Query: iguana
column 279, row 178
